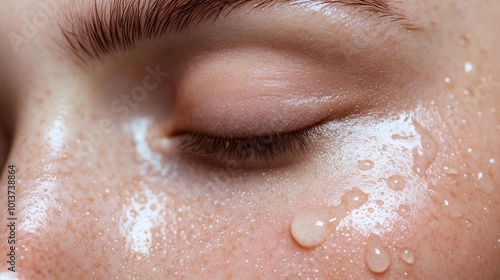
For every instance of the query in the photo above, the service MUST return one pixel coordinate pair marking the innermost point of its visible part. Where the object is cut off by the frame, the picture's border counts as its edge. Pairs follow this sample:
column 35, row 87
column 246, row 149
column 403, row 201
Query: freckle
column 396, row 182
column 376, row 256
column 365, row 165
column 309, row 228
column 407, row 256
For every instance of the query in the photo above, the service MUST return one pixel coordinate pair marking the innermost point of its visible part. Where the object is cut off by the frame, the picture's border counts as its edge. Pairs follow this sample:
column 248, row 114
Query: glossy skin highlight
column 133, row 206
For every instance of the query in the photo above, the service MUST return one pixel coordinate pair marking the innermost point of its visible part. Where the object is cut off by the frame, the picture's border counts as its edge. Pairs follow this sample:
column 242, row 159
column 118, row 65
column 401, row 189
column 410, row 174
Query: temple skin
column 101, row 196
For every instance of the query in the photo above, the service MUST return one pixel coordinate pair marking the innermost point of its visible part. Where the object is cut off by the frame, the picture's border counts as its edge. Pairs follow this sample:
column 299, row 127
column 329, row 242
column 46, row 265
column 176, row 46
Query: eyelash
column 258, row 148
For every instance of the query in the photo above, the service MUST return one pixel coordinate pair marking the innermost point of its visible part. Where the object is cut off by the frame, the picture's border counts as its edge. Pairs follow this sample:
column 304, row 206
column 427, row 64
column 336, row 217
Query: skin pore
column 400, row 179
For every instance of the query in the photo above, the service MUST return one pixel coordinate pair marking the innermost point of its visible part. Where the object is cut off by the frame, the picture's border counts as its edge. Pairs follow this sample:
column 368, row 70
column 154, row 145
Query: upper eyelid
column 118, row 25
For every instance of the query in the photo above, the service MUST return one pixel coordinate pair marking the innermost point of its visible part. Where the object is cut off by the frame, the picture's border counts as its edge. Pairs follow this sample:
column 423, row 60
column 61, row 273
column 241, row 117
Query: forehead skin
column 119, row 215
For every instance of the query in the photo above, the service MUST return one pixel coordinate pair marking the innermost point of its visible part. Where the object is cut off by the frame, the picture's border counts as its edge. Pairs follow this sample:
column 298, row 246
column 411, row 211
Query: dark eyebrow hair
column 116, row 25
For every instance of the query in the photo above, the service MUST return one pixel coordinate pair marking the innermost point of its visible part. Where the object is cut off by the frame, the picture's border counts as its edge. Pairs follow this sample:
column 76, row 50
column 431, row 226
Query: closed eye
column 267, row 148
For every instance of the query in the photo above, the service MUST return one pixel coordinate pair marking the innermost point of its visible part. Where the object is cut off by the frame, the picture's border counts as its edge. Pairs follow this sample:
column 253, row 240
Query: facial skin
column 409, row 124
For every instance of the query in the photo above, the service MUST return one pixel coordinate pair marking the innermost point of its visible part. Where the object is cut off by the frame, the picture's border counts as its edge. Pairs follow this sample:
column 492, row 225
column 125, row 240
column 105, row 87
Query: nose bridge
column 48, row 124
column 55, row 111
column 54, row 114
column 47, row 121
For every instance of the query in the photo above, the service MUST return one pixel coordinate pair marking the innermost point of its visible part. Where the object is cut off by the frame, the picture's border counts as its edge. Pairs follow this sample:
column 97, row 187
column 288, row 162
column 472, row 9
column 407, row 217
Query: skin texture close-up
column 250, row 139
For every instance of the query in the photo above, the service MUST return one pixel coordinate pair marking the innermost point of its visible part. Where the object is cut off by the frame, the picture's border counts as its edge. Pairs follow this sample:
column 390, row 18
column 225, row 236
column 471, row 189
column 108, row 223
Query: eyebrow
column 117, row 25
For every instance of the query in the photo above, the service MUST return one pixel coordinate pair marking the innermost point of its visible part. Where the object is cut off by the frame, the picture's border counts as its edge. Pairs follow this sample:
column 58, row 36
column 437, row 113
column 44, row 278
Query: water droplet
column 365, row 164
column 468, row 67
column 484, row 183
column 309, row 228
column 468, row 224
column 400, row 137
column 407, row 256
column 453, row 207
column 379, row 202
column 447, row 80
column 376, row 256
column 492, row 160
column 396, row 182
column 106, row 190
column 450, row 170
column 404, row 210
column 425, row 155
column 353, row 199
